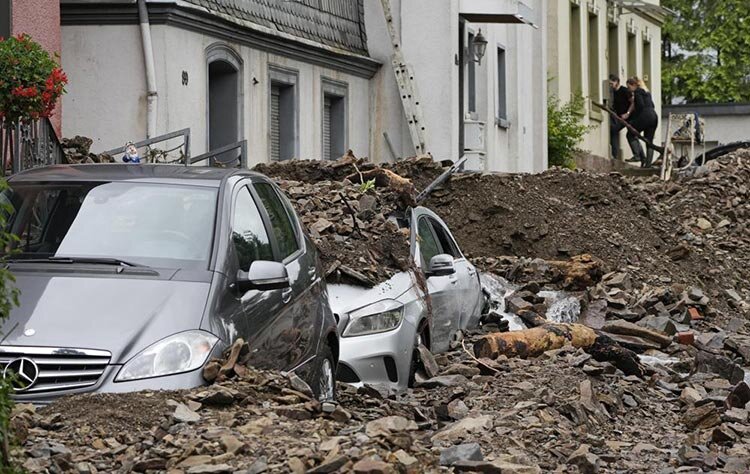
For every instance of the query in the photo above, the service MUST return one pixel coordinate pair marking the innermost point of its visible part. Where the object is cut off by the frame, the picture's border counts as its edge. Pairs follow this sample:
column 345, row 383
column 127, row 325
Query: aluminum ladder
column 407, row 86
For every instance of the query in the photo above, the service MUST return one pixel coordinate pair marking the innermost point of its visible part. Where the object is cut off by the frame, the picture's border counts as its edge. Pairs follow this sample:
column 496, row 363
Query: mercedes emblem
column 26, row 373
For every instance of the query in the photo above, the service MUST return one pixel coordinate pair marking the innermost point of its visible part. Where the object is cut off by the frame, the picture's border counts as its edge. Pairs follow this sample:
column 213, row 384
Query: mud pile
column 76, row 150
column 313, row 171
column 560, row 412
column 550, row 215
column 693, row 230
column 351, row 229
column 350, row 209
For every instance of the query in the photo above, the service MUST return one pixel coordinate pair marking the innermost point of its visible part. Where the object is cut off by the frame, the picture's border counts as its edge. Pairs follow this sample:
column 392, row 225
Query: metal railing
column 35, row 144
column 160, row 156
column 221, row 157
column 29, row 145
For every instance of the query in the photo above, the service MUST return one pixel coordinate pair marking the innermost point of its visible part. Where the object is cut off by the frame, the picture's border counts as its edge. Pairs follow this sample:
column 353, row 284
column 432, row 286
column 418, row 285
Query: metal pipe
column 152, row 97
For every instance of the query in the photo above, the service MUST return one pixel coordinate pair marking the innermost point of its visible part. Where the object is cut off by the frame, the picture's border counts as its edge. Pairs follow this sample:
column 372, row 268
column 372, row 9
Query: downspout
column 148, row 55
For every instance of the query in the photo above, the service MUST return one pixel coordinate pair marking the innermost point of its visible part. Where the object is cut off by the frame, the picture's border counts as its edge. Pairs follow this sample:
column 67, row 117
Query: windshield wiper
column 71, row 260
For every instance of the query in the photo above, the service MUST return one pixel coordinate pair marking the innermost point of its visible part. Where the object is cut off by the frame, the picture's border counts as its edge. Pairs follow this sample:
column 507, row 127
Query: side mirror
column 263, row 275
column 441, row 265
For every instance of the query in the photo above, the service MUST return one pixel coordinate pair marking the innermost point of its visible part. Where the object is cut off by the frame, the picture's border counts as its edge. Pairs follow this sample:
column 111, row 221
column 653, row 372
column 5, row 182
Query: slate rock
column 739, row 396
column 461, row 452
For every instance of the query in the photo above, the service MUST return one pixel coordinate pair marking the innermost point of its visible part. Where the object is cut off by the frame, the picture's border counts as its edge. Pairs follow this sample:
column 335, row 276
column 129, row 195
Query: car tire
column 423, row 337
column 324, row 384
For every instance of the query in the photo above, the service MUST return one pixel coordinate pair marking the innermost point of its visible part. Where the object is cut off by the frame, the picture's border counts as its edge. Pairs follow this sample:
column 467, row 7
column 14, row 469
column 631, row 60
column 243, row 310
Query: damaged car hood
column 345, row 298
column 122, row 315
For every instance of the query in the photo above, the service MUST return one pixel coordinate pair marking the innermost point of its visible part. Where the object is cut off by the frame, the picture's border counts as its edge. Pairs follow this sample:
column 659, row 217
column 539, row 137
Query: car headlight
column 182, row 352
column 378, row 317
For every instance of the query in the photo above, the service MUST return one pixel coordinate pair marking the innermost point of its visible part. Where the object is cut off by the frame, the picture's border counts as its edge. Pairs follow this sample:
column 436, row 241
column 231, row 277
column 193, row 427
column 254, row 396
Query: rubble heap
column 558, row 213
column 646, row 318
column 559, row 412
column 77, row 150
column 691, row 231
column 313, row 171
column 657, row 281
column 707, row 211
column 352, row 218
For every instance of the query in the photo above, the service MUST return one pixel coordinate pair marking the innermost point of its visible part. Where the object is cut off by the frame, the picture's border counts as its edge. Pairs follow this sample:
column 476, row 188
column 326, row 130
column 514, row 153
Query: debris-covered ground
column 659, row 269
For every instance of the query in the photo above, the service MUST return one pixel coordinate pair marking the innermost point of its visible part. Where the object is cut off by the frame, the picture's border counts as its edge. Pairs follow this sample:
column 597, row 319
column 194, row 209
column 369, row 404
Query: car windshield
column 161, row 225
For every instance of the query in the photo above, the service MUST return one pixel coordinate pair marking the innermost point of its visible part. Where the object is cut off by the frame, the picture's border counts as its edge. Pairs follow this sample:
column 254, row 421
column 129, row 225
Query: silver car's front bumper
column 379, row 358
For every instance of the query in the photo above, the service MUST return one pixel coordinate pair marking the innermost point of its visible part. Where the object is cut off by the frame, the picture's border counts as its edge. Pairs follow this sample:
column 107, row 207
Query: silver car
column 132, row 277
column 381, row 327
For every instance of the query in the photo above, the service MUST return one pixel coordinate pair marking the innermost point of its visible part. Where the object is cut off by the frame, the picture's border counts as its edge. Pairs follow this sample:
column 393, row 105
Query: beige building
column 590, row 39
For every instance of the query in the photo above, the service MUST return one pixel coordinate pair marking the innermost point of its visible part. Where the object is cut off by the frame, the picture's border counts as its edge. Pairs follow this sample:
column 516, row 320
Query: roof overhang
column 648, row 10
column 498, row 11
column 184, row 15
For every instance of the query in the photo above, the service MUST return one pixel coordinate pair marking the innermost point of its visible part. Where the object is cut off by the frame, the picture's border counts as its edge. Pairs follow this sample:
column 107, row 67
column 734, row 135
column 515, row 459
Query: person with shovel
column 644, row 119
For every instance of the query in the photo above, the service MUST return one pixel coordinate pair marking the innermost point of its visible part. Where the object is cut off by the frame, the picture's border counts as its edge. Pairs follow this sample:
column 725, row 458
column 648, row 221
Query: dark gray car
column 133, row 276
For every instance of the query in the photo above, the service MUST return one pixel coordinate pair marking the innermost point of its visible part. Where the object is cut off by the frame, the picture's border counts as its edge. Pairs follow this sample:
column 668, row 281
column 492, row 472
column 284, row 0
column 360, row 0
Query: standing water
column 499, row 288
column 562, row 308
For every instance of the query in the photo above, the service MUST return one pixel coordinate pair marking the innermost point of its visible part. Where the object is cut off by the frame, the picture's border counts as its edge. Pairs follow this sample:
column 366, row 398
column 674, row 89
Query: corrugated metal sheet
column 336, row 23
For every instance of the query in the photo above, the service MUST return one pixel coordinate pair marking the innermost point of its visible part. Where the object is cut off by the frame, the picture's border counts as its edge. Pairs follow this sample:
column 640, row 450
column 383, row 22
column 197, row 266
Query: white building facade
column 493, row 111
column 590, row 39
column 310, row 80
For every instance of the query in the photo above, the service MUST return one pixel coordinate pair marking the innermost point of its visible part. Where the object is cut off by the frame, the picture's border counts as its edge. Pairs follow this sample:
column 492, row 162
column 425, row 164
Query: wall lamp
column 478, row 47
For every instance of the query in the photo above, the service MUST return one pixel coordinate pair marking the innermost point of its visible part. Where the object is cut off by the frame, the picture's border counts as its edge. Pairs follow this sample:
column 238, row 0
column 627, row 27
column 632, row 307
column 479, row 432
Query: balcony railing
column 29, row 145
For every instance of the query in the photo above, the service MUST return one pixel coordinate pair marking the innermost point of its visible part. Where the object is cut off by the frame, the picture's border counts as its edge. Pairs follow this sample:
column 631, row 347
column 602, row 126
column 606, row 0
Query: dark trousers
column 645, row 123
column 615, row 126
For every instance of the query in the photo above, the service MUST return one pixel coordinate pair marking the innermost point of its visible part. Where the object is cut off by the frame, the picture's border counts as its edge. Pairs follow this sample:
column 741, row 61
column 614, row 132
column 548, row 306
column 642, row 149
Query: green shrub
column 8, row 299
column 564, row 130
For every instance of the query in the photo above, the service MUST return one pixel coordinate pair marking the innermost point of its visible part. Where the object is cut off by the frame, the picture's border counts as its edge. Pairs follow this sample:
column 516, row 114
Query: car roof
column 164, row 174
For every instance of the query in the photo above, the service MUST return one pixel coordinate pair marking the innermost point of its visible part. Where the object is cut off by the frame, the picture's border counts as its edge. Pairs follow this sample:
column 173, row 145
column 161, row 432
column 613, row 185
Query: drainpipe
column 148, row 56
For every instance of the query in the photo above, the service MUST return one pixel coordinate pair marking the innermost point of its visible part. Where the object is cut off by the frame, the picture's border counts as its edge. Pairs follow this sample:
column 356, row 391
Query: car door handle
column 453, row 279
column 286, row 295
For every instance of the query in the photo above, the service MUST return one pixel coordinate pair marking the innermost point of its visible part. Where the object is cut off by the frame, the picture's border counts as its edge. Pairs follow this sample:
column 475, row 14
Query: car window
column 445, row 239
column 249, row 235
column 282, row 225
column 167, row 226
column 43, row 206
column 428, row 246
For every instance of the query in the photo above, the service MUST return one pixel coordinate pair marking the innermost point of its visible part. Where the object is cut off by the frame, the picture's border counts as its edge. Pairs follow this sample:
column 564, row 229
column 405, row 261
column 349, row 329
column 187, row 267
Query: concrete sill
column 502, row 123
column 596, row 114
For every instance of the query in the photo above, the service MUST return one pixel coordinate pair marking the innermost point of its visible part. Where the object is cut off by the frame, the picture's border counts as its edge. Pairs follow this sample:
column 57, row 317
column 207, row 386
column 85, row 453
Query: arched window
column 224, row 98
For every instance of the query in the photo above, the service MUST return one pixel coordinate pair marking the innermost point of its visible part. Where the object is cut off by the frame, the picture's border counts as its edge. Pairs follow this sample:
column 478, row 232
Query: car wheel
column 325, row 381
column 422, row 338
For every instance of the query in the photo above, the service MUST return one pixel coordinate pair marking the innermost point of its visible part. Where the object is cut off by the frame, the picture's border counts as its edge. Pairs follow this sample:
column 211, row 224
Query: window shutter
column 275, row 142
column 327, row 152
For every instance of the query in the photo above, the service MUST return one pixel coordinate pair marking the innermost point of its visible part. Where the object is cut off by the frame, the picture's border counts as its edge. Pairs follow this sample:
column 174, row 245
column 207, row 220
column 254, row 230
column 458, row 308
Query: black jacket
column 644, row 114
column 621, row 100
